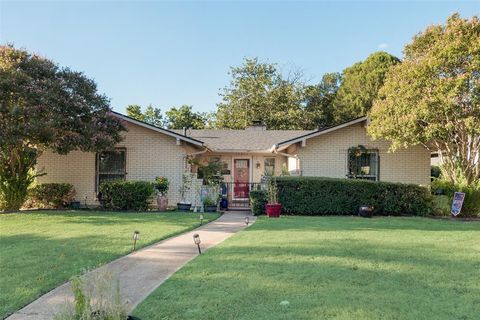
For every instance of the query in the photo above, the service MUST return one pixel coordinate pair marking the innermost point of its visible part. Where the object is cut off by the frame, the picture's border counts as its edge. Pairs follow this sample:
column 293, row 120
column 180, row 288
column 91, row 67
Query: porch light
column 258, row 164
column 136, row 236
column 196, row 240
column 247, row 220
column 201, row 218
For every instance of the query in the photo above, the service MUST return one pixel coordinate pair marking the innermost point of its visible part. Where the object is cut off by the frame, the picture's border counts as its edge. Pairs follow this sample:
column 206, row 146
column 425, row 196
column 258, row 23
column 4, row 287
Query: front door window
column 241, row 178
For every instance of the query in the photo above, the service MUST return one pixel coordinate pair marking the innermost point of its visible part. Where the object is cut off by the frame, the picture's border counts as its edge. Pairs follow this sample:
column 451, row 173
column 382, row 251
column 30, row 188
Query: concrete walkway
column 143, row 271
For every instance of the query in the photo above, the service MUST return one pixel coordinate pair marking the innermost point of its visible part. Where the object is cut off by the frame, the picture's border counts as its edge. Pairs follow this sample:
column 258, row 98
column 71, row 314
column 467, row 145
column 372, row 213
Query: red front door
column 241, row 178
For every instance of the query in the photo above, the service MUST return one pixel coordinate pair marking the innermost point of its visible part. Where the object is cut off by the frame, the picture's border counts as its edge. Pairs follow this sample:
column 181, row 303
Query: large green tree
column 44, row 106
column 258, row 91
column 151, row 115
column 185, row 117
column 318, row 110
column 360, row 85
column 433, row 97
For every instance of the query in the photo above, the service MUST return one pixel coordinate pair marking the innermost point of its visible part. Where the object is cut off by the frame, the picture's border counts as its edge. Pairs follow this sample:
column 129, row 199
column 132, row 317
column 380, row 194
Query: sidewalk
column 143, row 271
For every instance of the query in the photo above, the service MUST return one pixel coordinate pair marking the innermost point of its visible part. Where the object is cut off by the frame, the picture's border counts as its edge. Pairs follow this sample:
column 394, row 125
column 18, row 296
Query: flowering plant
column 161, row 185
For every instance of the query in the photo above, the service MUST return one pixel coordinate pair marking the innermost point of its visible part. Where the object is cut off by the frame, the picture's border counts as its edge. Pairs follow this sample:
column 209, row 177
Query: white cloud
column 383, row 46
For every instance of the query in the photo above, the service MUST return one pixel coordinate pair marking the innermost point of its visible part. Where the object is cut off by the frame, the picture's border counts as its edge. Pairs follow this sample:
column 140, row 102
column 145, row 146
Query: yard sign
column 457, row 203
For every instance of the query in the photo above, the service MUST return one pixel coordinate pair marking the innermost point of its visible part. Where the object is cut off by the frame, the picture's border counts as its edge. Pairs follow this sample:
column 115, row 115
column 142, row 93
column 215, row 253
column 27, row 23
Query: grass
column 41, row 250
column 330, row 268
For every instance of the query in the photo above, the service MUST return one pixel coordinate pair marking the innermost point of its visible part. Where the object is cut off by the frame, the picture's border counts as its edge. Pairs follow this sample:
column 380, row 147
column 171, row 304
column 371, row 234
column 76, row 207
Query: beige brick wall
column 326, row 156
column 149, row 154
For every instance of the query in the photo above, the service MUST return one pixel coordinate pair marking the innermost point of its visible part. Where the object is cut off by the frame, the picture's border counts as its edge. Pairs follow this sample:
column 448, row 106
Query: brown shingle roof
column 243, row 140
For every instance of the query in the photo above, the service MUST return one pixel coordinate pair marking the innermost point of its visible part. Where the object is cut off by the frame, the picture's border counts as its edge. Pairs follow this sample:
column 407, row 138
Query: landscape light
column 247, row 220
column 136, row 236
column 201, row 218
column 196, row 240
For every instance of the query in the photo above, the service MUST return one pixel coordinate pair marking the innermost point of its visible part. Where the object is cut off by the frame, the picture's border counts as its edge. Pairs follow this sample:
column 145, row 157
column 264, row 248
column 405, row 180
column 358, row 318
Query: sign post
column 457, row 203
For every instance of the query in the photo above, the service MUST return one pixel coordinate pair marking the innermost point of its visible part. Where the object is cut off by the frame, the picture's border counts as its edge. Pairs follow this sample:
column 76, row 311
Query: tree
column 184, row 117
column 360, row 85
column 151, row 115
column 258, row 91
column 319, row 111
column 44, row 106
column 433, row 97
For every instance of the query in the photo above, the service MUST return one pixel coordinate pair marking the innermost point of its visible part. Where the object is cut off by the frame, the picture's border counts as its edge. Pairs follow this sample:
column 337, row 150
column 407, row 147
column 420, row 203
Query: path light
column 247, row 220
column 201, row 218
column 136, row 236
column 196, row 240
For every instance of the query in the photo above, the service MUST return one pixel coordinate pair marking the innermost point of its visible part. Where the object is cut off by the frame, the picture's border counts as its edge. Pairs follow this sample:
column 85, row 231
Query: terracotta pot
column 162, row 202
column 273, row 210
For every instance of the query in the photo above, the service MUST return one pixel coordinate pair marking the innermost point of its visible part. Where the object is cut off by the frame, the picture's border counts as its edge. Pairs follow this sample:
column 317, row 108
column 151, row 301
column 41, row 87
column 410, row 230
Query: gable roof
column 260, row 141
column 158, row 129
column 319, row 132
column 226, row 140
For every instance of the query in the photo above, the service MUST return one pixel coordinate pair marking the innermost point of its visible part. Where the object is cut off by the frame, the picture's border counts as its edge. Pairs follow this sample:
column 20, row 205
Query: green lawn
column 330, row 268
column 41, row 250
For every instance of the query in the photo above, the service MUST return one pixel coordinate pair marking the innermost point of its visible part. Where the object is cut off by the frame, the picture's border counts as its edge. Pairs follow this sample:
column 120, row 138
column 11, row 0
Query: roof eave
column 158, row 129
column 318, row 132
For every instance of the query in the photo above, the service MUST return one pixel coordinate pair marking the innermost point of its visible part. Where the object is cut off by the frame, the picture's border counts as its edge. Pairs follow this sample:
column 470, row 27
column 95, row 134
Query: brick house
column 148, row 151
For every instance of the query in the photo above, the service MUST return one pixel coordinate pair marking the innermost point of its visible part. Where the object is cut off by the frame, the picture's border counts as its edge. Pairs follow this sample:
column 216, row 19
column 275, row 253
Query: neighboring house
column 148, row 151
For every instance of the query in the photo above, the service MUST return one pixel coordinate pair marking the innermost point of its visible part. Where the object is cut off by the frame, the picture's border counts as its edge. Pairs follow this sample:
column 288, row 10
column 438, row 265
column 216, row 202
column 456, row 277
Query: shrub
column 471, row 204
column 322, row 196
column 442, row 205
column 258, row 199
column 126, row 195
column 161, row 184
column 51, row 195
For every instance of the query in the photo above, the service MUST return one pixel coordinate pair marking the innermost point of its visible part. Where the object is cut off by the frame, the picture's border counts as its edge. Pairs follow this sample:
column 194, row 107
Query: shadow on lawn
column 113, row 217
column 33, row 265
column 352, row 223
column 352, row 285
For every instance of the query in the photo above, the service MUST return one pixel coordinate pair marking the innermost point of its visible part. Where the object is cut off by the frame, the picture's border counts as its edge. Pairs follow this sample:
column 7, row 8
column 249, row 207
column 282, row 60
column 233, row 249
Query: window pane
column 269, row 164
column 111, row 162
column 110, row 166
column 109, row 177
column 363, row 165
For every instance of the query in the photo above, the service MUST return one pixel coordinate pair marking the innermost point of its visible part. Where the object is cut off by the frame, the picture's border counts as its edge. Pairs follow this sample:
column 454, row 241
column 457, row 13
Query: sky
column 174, row 53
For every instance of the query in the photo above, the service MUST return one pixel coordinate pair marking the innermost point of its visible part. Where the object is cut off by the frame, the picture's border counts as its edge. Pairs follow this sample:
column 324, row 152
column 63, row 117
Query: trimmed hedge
column 324, row 196
column 258, row 199
column 471, row 203
column 126, row 195
column 51, row 195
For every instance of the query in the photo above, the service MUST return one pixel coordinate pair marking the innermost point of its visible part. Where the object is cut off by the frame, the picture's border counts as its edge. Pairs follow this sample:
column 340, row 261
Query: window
column 363, row 164
column 110, row 165
column 269, row 166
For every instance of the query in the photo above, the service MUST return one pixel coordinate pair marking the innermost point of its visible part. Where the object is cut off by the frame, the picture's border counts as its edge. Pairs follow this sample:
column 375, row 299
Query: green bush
column 51, row 195
column 471, row 204
column 258, row 199
column 126, row 195
column 435, row 172
column 323, row 196
column 442, row 205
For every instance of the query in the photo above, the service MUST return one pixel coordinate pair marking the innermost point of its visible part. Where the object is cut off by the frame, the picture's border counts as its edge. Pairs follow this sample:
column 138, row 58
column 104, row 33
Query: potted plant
column 273, row 208
column 365, row 211
column 161, row 185
column 185, row 205
column 209, row 204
